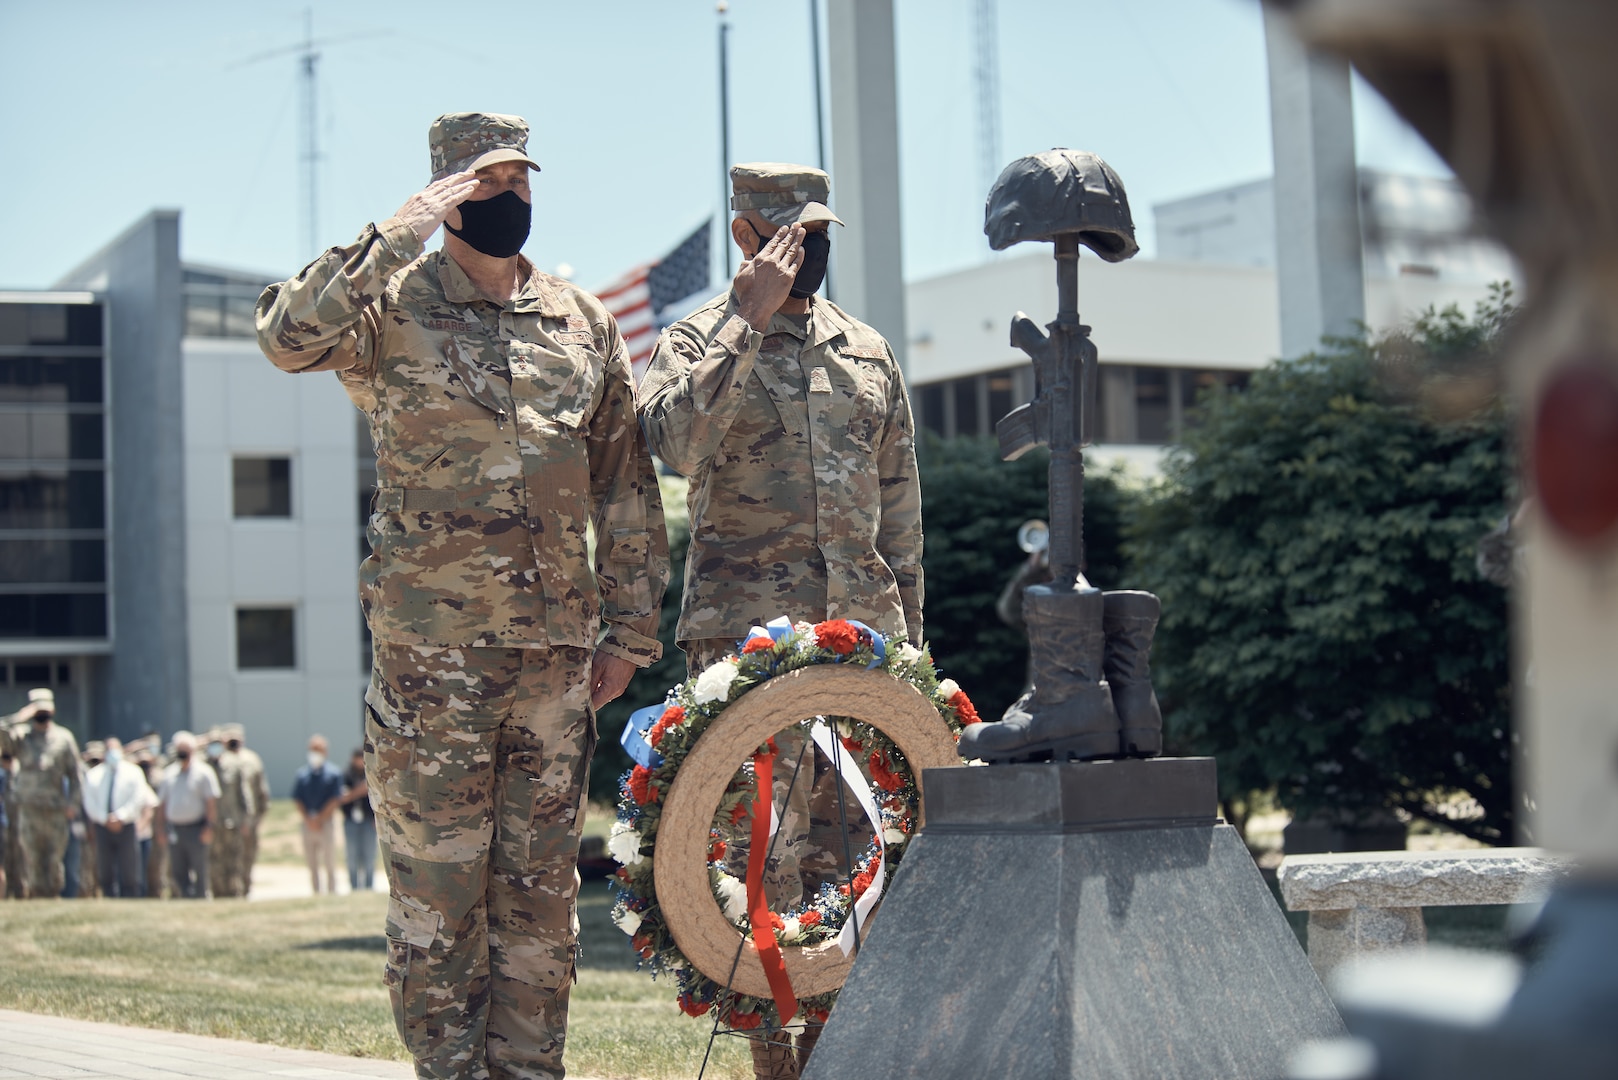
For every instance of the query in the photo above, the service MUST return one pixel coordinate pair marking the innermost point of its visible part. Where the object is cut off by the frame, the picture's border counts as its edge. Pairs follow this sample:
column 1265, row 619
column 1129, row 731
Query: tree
column 972, row 504
column 1325, row 631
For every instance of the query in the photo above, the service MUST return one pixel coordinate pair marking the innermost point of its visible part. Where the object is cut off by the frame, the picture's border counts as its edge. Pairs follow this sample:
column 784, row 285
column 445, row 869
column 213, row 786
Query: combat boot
column 1068, row 714
column 772, row 1057
column 806, row 1044
column 1129, row 619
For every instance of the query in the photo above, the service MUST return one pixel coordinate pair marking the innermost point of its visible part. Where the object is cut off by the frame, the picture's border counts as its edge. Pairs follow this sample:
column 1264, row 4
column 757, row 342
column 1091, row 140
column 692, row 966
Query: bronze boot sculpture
column 1069, row 712
column 1129, row 619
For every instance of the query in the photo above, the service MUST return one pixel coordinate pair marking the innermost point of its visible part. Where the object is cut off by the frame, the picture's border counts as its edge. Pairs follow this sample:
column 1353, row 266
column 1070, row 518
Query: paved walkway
column 50, row 1046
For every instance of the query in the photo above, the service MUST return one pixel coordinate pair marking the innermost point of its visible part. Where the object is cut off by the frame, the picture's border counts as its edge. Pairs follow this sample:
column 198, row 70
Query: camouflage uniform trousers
column 225, row 861
column 42, row 839
column 477, row 761
column 248, row 856
column 808, row 850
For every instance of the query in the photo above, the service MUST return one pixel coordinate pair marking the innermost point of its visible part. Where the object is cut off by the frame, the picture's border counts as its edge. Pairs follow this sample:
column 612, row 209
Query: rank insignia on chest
column 819, row 381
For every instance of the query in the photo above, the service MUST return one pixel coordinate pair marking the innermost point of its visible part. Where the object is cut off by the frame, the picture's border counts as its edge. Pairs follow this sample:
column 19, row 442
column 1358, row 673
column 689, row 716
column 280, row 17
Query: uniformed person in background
column 501, row 408
column 47, row 791
column 791, row 419
column 255, row 798
column 235, row 815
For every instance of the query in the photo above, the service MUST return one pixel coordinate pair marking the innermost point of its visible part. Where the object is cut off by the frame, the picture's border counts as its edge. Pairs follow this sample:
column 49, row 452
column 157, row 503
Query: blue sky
column 113, row 108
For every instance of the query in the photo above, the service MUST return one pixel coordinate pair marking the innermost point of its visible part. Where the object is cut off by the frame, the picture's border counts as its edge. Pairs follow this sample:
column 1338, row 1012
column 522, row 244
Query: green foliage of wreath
column 688, row 711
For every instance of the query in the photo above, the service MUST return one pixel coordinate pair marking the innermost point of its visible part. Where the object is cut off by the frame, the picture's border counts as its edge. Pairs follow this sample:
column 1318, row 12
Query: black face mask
column 812, row 271
column 497, row 227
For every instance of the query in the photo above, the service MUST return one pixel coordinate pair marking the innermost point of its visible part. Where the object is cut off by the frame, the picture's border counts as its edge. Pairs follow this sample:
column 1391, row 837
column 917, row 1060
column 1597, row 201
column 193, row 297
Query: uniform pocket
column 630, row 546
column 411, row 931
column 390, row 762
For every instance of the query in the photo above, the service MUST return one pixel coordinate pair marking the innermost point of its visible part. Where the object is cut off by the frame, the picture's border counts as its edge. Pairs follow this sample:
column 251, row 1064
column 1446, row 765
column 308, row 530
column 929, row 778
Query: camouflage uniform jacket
column 804, row 498
column 47, row 766
column 502, row 432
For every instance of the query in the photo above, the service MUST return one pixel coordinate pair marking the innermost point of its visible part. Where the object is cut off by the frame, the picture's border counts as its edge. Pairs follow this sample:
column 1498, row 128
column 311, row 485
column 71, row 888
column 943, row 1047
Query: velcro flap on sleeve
column 630, row 546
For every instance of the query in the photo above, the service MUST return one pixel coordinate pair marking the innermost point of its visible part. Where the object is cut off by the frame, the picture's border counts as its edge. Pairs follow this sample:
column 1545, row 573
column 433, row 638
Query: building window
column 966, row 406
column 266, row 639
column 263, row 487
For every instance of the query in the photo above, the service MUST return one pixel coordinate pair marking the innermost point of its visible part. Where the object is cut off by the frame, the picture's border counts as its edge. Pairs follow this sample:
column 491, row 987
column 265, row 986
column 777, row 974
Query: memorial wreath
column 662, row 738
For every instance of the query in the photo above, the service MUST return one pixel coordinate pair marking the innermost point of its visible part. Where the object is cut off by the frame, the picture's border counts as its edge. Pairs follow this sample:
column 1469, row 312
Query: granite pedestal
column 1088, row 919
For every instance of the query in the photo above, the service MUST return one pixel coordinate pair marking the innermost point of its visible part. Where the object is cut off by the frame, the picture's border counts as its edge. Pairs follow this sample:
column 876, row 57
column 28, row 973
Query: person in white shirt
column 190, row 798
column 115, row 796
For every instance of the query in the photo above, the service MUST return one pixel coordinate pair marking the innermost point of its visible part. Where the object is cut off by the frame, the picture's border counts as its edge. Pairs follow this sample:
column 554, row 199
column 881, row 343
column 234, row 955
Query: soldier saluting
column 502, row 413
column 791, row 419
column 48, row 790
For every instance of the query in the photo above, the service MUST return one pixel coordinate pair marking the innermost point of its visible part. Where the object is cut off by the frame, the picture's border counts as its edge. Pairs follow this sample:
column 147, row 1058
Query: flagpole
column 724, row 133
column 820, row 119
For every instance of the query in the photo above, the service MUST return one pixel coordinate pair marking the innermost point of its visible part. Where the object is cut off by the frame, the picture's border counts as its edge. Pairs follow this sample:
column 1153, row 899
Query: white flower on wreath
column 893, row 837
column 948, row 689
column 906, row 653
column 714, row 683
column 628, row 921
column 732, row 897
column 791, row 930
column 624, row 844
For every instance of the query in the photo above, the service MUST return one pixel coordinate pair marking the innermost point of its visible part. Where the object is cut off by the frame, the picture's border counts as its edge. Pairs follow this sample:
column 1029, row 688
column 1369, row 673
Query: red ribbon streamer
column 758, row 905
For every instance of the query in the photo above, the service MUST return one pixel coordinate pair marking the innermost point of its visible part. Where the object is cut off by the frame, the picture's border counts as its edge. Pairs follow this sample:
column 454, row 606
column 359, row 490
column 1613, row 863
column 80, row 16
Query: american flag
column 637, row 298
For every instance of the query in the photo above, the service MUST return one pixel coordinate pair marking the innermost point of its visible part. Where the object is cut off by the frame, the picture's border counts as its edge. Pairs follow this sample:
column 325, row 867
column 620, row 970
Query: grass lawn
column 308, row 973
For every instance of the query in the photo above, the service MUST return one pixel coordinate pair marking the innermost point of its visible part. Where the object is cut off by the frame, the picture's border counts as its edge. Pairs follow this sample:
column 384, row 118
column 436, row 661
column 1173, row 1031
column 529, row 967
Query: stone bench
column 1367, row 901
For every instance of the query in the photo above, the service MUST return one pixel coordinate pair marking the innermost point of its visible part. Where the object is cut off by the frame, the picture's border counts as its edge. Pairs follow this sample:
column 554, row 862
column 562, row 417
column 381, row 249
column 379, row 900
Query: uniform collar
column 537, row 294
column 826, row 321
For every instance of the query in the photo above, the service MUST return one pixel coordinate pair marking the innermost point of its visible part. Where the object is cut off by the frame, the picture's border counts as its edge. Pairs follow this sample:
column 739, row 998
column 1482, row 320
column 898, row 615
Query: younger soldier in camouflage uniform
column 235, row 818
column 502, row 412
column 791, row 419
column 255, row 801
column 47, row 794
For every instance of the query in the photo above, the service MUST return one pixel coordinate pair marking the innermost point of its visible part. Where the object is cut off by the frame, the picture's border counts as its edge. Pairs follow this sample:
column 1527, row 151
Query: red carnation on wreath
column 672, row 716
column 965, row 712
column 743, row 1021
column 640, row 785
column 862, row 880
column 809, row 918
column 838, row 635
column 692, row 1007
column 757, row 644
column 882, row 772
column 716, row 851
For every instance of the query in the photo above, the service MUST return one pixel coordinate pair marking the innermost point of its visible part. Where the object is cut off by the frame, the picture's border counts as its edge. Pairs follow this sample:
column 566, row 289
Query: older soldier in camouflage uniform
column 791, row 419
column 503, row 416
column 48, row 791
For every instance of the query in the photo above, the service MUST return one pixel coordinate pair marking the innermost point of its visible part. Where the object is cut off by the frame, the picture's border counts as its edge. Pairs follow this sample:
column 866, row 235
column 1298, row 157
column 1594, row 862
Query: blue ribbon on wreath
column 633, row 740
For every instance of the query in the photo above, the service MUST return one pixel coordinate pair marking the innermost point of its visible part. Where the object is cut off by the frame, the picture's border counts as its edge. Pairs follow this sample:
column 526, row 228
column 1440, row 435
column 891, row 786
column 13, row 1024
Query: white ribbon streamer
column 835, row 751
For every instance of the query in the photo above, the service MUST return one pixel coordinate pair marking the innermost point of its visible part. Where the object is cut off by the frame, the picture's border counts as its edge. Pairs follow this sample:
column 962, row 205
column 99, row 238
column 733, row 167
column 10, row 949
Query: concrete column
column 148, row 676
column 1319, row 267
column 866, row 257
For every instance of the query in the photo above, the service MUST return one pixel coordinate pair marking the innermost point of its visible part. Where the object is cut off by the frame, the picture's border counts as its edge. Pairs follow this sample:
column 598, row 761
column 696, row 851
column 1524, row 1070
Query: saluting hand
column 426, row 209
column 764, row 281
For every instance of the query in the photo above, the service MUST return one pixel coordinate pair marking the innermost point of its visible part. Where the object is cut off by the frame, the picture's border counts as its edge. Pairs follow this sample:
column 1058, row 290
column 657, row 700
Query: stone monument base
column 1092, row 919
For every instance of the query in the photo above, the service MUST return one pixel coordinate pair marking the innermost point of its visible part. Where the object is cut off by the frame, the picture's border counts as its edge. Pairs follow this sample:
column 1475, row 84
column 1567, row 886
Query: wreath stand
column 680, row 861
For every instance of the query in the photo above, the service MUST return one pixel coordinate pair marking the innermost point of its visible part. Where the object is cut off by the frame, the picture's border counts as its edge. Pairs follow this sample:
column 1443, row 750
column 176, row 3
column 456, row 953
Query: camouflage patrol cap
column 43, row 698
column 232, row 731
column 470, row 140
column 781, row 194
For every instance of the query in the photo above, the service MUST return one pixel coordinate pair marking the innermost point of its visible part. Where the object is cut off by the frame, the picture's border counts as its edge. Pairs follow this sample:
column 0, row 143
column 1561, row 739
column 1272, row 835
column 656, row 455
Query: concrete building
column 1204, row 312
column 177, row 518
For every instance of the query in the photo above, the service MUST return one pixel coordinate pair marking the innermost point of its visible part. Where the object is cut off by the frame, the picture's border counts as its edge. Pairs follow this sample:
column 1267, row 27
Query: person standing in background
column 359, row 825
column 115, row 797
column 47, row 795
column 318, row 791
column 256, row 793
column 190, row 803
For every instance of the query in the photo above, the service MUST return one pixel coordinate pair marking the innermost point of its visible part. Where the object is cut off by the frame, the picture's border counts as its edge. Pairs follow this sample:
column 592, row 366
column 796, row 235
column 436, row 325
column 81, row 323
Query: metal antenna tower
column 309, row 155
column 987, row 73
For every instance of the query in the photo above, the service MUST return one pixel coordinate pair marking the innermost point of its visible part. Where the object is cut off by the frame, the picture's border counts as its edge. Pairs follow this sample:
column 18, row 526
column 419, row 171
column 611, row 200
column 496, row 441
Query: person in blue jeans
column 359, row 825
